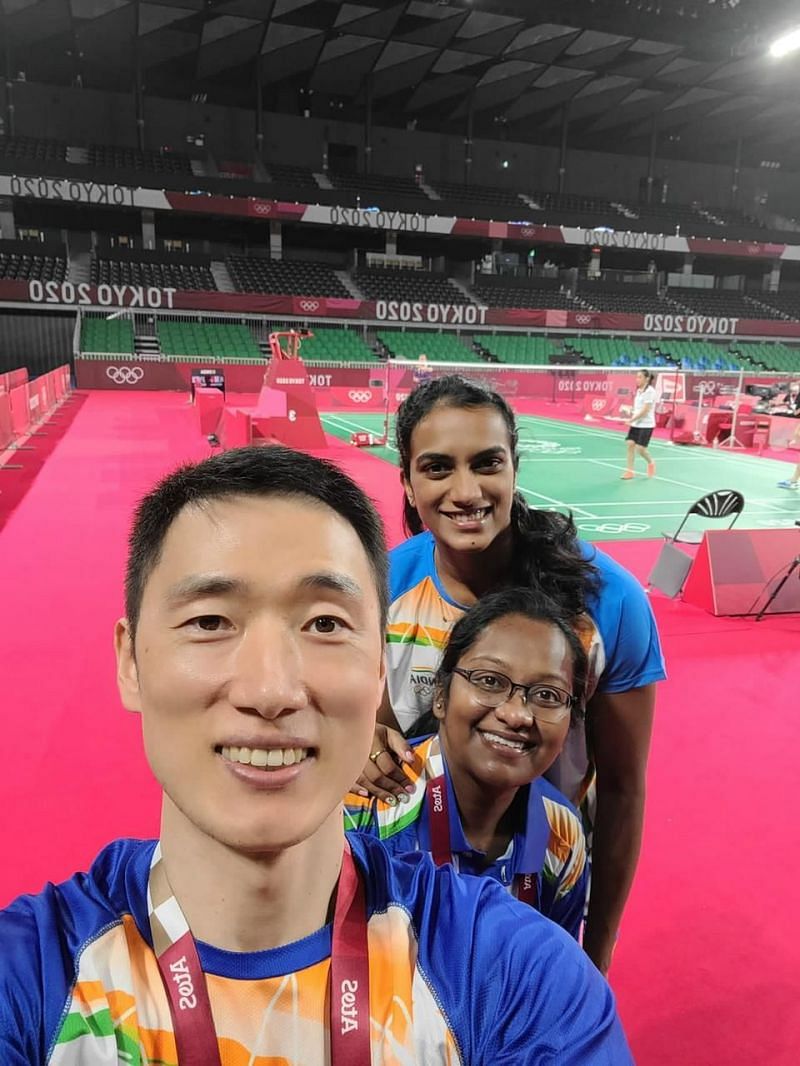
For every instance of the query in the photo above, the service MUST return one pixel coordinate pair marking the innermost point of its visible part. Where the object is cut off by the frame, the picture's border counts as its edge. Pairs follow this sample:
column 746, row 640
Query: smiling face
column 461, row 476
column 258, row 667
column 505, row 747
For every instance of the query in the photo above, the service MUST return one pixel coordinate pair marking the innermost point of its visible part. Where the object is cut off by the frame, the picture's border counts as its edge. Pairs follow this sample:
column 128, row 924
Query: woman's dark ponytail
column 547, row 556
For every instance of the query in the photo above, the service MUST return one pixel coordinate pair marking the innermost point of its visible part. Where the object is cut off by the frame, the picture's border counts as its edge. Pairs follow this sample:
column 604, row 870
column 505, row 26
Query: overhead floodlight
column 788, row 42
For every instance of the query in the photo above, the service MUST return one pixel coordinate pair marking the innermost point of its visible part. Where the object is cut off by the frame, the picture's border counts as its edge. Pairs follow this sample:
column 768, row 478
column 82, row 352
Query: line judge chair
column 673, row 564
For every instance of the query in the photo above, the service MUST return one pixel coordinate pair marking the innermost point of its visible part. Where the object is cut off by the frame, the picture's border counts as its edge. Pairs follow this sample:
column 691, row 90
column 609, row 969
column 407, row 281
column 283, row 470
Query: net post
column 733, row 441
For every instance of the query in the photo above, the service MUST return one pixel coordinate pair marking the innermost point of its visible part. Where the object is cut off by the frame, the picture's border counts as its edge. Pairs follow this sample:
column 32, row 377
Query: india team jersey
column 548, row 844
column 459, row 972
column 619, row 633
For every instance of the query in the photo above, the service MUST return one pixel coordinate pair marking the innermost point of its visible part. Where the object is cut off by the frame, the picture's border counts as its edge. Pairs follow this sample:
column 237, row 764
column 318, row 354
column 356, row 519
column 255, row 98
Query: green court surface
column 576, row 468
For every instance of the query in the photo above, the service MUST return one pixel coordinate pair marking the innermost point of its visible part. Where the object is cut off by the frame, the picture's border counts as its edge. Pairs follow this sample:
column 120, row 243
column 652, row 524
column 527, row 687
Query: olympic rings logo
column 261, row 208
column 598, row 405
column 309, row 305
column 527, row 231
column 613, row 527
column 125, row 375
column 583, row 320
column 359, row 397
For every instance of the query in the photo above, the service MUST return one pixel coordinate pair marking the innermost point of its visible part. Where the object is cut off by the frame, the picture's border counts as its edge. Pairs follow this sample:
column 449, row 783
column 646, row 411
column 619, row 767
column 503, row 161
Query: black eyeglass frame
column 565, row 709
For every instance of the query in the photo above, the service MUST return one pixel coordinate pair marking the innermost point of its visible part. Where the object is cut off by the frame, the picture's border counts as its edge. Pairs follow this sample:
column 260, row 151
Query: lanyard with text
column 526, row 886
column 182, row 973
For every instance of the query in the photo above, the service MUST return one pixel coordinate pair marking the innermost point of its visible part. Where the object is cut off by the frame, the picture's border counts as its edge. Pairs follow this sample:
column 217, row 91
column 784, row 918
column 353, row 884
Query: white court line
column 345, row 423
column 656, row 477
column 686, row 485
column 696, row 454
column 667, row 503
column 678, row 514
column 551, row 457
column 558, row 503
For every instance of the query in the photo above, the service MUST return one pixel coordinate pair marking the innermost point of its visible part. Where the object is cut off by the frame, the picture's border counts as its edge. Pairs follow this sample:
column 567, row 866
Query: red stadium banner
column 89, row 192
column 748, row 249
column 393, row 312
column 241, row 207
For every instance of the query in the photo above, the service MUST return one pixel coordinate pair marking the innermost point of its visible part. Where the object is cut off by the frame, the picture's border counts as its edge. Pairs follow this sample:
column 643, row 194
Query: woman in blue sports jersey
column 473, row 533
column 509, row 686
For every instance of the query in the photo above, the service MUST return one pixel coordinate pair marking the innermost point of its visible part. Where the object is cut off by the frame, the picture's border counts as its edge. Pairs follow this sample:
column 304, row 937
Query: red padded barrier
column 20, row 410
column 209, row 404
column 732, row 567
column 6, row 430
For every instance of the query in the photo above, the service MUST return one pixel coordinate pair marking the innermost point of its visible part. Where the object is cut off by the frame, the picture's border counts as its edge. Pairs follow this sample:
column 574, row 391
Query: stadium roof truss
column 696, row 67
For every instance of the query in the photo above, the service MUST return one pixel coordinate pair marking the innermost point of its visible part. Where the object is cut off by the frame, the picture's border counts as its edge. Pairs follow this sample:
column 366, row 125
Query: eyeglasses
column 547, row 703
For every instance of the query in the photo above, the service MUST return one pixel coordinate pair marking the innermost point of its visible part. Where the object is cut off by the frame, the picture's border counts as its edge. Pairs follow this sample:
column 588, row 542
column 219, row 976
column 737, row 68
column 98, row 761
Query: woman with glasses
column 508, row 688
column 473, row 533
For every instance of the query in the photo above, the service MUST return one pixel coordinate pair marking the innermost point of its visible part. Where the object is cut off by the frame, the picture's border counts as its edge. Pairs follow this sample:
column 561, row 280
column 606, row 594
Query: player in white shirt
column 642, row 423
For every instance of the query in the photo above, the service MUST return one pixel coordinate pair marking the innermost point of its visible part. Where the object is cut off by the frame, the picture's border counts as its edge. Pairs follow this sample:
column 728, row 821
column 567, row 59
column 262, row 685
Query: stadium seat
column 31, row 149
column 519, row 350
column 439, row 347
column 118, row 158
column 285, row 277
column 337, row 346
column 166, row 273
column 109, row 336
column 533, row 297
column 218, row 341
column 30, row 266
column 726, row 302
column 415, row 286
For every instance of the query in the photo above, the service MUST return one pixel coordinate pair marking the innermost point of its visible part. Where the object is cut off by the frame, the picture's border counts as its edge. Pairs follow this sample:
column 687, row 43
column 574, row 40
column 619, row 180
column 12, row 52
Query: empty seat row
column 337, row 346
column 625, row 303
column 284, row 174
column 284, row 277
column 720, row 302
column 207, row 339
column 416, row 286
column 518, row 350
column 528, row 297
column 438, row 347
column 115, row 157
column 112, row 336
column 158, row 275
column 17, row 267
column 34, row 149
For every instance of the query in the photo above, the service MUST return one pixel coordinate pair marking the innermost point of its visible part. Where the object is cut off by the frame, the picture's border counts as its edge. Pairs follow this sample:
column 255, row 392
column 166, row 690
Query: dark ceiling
column 698, row 68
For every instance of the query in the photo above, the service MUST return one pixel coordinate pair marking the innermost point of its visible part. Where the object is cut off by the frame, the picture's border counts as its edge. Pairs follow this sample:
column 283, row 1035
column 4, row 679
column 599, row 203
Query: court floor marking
column 559, row 503
column 679, row 514
column 608, row 435
column 585, row 512
column 756, row 501
column 702, row 453
column 549, row 457
column 656, row 477
column 345, row 423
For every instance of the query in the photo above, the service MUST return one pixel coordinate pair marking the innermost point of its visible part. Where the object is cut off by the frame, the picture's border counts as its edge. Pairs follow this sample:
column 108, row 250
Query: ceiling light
column 788, row 42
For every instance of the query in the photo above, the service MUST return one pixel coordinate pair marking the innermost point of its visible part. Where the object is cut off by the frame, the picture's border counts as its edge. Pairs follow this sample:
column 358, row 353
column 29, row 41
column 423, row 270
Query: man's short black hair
column 252, row 471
